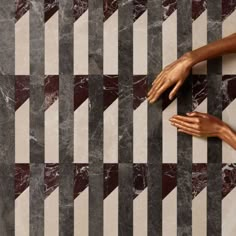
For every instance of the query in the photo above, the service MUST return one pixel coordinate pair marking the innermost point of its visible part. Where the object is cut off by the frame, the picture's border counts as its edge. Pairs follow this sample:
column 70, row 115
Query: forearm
column 228, row 135
column 215, row 49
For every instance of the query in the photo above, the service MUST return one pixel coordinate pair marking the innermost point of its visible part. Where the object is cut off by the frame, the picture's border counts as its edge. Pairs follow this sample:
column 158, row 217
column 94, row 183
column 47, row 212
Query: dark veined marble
column 140, row 172
column 51, row 178
column 21, row 90
column 21, row 178
column 228, row 178
column 199, row 178
column 80, row 6
column 22, row 6
column 228, row 89
column 199, row 90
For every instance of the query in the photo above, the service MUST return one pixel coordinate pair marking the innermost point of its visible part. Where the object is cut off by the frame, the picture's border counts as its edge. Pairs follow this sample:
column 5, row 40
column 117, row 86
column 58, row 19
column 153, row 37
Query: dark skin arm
column 204, row 125
column 195, row 123
column 176, row 72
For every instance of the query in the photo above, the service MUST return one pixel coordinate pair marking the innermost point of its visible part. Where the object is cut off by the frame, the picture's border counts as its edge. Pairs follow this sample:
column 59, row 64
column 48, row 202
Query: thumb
column 175, row 90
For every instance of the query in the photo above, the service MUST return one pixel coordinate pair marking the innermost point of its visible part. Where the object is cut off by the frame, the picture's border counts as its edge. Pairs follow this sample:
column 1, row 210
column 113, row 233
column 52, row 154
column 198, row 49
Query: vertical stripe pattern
column 184, row 142
column 214, row 105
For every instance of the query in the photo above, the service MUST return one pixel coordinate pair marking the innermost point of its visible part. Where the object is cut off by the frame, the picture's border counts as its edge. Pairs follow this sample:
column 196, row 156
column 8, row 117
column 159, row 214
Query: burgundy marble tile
column 51, row 90
column 228, row 178
column 51, row 178
column 199, row 178
column 110, row 178
column 80, row 6
column 228, row 7
column 199, row 90
column 21, row 90
column 21, row 178
column 80, row 178
column 228, row 89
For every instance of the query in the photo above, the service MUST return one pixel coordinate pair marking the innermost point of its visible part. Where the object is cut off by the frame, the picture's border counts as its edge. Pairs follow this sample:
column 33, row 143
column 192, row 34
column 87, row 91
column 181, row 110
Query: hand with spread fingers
column 173, row 74
column 204, row 125
column 176, row 73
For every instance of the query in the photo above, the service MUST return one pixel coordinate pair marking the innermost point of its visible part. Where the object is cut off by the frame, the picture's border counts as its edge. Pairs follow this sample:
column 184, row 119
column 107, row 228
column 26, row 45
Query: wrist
column 225, row 131
column 190, row 59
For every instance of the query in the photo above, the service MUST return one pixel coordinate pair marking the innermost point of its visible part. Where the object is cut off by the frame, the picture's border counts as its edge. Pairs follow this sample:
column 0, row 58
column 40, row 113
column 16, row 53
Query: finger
column 192, row 130
column 188, row 132
column 155, row 87
column 175, row 90
column 159, row 82
column 158, row 77
column 158, row 93
column 179, row 123
column 184, row 118
column 196, row 113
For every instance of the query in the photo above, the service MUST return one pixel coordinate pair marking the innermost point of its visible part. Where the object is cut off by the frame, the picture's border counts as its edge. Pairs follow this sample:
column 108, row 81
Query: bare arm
column 215, row 49
column 204, row 125
column 176, row 72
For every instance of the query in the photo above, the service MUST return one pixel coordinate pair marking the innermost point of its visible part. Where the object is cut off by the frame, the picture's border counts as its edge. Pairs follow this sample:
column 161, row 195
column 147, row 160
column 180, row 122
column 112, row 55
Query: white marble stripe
column 229, row 61
column 81, row 133
column 51, row 46
column 199, row 39
column 110, row 134
column 140, row 45
column 140, row 134
column 51, row 214
column 52, row 134
column 228, row 214
column 81, row 45
column 110, row 207
column 22, row 133
column 110, row 42
column 200, row 143
column 199, row 214
column 81, row 214
column 22, row 214
column 169, row 214
column 169, row 51
column 169, row 134
column 22, row 45
column 140, row 214
column 228, row 153
column 140, row 68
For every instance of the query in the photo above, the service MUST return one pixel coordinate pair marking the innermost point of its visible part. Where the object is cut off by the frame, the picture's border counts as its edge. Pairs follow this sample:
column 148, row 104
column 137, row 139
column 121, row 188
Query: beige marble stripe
column 52, row 134
column 229, row 61
column 22, row 133
column 140, row 214
column 22, row 214
column 140, row 134
column 51, row 46
column 200, row 143
column 110, row 42
column 110, row 134
column 169, row 134
column 81, row 133
column 228, row 116
column 199, row 214
column 140, row 45
column 81, row 45
column 81, row 214
column 111, row 214
column 169, row 51
column 169, row 218
column 51, row 214
column 228, row 214
column 22, row 45
column 199, row 39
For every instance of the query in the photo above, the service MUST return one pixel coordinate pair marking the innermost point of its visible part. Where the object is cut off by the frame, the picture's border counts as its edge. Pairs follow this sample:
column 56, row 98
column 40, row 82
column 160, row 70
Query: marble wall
column 81, row 151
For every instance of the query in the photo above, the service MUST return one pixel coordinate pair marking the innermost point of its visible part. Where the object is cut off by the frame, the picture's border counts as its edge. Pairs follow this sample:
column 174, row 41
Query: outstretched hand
column 173, row 74
column 198, row 124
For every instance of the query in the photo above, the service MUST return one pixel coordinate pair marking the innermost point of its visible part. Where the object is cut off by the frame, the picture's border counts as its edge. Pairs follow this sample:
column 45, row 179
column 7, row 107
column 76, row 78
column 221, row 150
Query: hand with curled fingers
column 173, row 74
